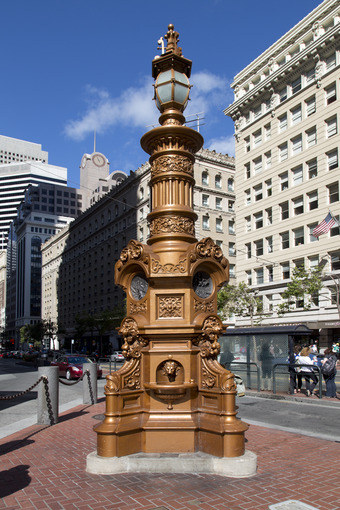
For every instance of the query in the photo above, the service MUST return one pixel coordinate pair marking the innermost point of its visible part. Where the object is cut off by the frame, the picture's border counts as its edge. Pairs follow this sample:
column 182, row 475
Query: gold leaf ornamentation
column 208, row 339
column 112, row 384
column 172, row 224
column 172, row 163
column 156, row 267
column 204, row 307
column 170, row 306
column 138, row 307
column 133, row 341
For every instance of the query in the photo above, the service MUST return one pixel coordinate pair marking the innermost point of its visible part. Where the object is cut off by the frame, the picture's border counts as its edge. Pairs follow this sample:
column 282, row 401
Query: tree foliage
column 100, row 322
column 240, row 300
column 304, row 285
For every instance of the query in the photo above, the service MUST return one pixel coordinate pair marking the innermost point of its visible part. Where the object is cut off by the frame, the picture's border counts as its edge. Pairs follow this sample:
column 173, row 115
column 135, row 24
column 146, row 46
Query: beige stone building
column 78, row 262
column 286, row 114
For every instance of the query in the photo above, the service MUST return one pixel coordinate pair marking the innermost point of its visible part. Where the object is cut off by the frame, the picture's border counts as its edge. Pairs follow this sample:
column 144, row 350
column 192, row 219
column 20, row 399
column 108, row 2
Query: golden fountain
column 171, row 396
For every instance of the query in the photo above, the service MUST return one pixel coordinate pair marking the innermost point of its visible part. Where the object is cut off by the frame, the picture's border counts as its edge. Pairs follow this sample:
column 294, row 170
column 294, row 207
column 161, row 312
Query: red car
column 71, row 367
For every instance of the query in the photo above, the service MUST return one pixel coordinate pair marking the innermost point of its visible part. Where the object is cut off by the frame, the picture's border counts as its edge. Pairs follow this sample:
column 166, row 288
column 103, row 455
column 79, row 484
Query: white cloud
column 223, row 144
column 134, row 108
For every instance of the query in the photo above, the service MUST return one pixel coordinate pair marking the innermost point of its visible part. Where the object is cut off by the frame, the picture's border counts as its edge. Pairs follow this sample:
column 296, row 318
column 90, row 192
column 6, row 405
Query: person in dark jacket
column 329, row 372
column 266, row 358
column 226, row 358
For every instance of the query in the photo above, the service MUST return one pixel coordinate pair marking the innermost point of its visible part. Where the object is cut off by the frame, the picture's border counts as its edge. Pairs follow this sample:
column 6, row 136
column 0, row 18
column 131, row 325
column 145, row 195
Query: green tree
column 241, row 300
column 301, row 290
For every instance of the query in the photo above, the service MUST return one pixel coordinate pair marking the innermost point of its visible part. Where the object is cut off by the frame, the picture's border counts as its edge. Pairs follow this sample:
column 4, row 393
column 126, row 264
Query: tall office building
column 14, row 180
column 15, row 150
column 286, row 111
column 45, row 210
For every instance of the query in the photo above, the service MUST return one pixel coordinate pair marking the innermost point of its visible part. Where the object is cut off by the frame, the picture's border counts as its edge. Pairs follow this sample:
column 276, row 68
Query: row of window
column 40, row 230
column 295, row 237
column 290, row 118
column 218, row 181
column 265, row 274
column 218, row 203
column 288, row 90
column 293, row 177
column 291, row 148
column 218, row 224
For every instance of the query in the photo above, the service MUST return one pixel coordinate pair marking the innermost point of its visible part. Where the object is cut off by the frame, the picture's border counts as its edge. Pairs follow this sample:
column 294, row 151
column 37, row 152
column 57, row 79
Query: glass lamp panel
column 180, row 93
column 164, row 92
column 164, row 77
column 182, row 78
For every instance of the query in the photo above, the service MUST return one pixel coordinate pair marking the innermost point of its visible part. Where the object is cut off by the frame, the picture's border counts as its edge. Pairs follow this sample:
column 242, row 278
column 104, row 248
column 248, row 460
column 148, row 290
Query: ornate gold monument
column 171, row 395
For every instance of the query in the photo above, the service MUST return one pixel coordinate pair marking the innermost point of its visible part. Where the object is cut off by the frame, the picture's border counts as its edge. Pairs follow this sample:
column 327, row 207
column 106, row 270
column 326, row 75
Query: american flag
column 324, row 226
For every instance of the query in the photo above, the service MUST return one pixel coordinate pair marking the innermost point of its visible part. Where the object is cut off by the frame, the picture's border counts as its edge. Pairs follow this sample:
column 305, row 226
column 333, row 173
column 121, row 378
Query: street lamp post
column 171, row 395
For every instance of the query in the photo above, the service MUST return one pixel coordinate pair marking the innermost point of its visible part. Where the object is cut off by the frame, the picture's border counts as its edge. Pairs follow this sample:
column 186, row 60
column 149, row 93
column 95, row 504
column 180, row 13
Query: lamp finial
column 172, row 38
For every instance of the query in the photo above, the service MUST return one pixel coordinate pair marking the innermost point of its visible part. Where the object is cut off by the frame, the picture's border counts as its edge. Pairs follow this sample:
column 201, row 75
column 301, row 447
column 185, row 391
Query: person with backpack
column 328, row 371
column 307, row 370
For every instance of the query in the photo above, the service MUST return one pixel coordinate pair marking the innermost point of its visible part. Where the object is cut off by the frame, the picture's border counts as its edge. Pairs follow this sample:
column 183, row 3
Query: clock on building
column 98, row 159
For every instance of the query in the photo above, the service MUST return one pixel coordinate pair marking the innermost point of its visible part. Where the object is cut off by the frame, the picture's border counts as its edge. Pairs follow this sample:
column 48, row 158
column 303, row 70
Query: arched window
column 218, row 181
column 205, row 178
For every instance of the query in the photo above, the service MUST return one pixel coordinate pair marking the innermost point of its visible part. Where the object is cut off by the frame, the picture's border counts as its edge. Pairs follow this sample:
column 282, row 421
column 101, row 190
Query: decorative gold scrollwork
column 172, row 224
column 208, row 339
column 170, row 306
column 156, row 267
column 199, row 306
column 207, row 248
column 172, row 163
column 138, row 307
column 112, row 384
column 132, row 382
column 133, row 341
column 208, row 379
column 228, row 382
column 133, row 251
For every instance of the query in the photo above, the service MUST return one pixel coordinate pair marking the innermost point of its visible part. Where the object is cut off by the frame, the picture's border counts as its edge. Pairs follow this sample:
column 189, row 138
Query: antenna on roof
column 94, row 141
column 197, row 120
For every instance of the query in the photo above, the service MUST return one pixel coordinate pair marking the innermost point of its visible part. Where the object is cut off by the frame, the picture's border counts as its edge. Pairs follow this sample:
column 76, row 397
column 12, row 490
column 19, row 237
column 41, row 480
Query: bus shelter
column 251, row 353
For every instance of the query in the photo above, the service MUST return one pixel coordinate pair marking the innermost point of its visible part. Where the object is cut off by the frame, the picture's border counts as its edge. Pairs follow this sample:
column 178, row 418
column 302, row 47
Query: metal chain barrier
column 48, row 400
column 12, row 397
column 71, row 383
column 87, row 372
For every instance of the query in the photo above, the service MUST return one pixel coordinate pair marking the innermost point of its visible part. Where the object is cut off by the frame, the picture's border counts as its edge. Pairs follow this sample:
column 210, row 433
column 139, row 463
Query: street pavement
column 43, row 467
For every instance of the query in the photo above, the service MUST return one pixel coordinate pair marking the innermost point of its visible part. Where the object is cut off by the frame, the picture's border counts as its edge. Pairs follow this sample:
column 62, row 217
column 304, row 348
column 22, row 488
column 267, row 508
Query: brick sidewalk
column 44, row 468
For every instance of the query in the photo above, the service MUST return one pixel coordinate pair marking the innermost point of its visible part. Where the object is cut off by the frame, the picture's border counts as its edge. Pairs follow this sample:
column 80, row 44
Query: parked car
column 117, row 356
column 71, row 367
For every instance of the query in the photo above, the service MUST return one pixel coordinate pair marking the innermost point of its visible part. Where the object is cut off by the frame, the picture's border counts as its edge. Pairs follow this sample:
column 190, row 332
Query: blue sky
column 72, row 66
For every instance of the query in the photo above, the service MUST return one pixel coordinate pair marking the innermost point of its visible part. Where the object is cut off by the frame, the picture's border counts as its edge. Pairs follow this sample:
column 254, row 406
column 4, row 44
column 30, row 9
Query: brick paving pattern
column 44, row 468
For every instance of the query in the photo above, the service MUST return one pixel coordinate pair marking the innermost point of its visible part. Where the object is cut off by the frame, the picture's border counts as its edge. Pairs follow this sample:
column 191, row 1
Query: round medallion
column 139, row 287
column 202, row 284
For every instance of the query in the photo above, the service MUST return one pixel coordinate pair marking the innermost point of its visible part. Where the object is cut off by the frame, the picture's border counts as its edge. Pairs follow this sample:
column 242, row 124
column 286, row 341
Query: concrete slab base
column 234, row 467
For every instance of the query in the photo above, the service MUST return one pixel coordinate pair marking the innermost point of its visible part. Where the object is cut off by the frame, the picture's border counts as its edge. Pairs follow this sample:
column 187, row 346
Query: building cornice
column 288, row 39
column 215, row 157
column 299, row 62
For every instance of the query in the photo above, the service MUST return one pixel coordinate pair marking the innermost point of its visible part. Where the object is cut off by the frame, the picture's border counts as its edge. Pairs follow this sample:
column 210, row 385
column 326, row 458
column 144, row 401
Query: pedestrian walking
column 266, row 358
column 328, row 371
column 295, row 377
